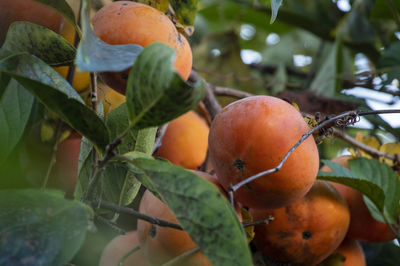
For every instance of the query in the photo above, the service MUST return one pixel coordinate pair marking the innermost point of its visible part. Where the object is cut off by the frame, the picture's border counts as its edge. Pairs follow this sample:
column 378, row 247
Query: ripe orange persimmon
column 27, row 10
column 253, row 135
column 363, row 226
column 81, row 79
column 110, row 98
column 305, row 232
column 126, row 22
column 185, row 141
column 352, row 252
column 119, row 247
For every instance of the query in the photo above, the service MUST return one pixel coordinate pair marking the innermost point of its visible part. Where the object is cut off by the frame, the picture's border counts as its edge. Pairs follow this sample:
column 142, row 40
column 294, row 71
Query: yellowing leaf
column 247, row 218
column 368, row 140
column 390, row 148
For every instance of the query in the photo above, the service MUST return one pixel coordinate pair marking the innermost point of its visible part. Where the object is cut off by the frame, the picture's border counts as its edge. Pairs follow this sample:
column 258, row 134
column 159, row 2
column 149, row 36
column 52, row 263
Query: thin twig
column 138, row 215
column 179, row 259
column 267, row 220
column 159, row 136
column 368, row 149
column 223, row 91
column 110, row 224
column 121, row 261
column 342, row 120
column 211, row 102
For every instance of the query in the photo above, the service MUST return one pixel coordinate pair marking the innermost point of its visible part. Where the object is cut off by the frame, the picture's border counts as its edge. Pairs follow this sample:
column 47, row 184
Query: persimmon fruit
column 185, row 141
column 27, row 10
column 119, row 247
column 126, row 22
column 352, row 252
column 110, row 98
column 253, row 135
column 306, row 231
column 363, row 226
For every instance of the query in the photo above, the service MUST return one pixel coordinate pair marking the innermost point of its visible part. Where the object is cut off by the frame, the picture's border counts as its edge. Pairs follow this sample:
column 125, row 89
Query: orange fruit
column 253, row 135
column 119, row 247
column 126, row 22
column 185, row 141
column 110, row 98
column 363, row 226
column 305, row 232
column 352, row 252
column 27, row 10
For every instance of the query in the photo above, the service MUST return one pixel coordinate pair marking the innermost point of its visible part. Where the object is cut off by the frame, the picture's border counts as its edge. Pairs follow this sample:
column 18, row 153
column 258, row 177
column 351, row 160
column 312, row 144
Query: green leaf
column 57, row 95
column 155, row 93
column 374, row 179
column 327, row 81
column 39, row 41
column 15, row 109
column 94, row 55
column 62, row 7
column 185, row 11
column 390, row 58
column 275, row 4
column 40, row 227
column 200, row 208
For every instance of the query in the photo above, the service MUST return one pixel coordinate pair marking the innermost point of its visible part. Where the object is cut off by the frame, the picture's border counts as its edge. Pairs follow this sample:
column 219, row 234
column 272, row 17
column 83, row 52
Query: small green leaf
column 62, row 7
column 40, row 227
column 155, row 93
column 39, row 41
column 275, row 4
column 185, row 11
column 15, row 109
column 57, row 95
column 204, row 213
column 327, row 81
column 94, row 55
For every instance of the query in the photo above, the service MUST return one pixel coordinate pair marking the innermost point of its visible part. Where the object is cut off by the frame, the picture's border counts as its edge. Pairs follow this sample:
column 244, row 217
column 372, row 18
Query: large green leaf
column 57, row 95
column 94, row 55
column 155, row 92
column 40, row 227
column 185, row 11
column 15, row 109
column 200, row 208
column 39, row 41
column 374, row 179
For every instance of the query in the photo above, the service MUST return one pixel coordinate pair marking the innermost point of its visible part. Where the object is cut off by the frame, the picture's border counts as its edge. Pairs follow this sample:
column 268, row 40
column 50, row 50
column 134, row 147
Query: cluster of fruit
column 311, row 218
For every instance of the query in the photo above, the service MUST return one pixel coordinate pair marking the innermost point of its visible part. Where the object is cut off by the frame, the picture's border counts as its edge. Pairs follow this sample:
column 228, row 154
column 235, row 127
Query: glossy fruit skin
column 305, row 232
column 121, row 245
column 27, row 10
column 253, row 135
column 163, row 244
column 185, row 141
column 126, row 22
column 362, row 226
column 352, row 251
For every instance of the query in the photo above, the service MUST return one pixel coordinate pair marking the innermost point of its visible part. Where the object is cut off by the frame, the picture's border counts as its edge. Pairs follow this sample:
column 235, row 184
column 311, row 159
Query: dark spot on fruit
column 239, row 164
column 306, row 235
column 153, row 231
column 248, row 186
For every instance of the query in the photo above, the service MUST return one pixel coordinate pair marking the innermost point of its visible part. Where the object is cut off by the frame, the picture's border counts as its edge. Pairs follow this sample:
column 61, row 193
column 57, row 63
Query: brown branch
column 267, row 220
column 120, row 209
column 368, row 149
column 223, row 91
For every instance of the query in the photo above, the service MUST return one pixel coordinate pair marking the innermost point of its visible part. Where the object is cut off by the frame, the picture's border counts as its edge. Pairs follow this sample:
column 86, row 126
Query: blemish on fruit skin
column 239, row 164
column 153, row 231
column 306, row 235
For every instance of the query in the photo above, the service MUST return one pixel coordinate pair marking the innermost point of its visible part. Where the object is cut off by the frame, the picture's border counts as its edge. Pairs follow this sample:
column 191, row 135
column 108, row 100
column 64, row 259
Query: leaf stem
column 179, row 259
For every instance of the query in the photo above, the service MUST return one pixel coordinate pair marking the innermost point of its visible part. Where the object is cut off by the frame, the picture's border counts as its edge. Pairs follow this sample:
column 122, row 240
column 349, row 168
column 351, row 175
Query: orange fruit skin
column 253, row 135
column 119, row 247
column 362, row 226
column 352, row 251
column 185, row 141
column 126, row 22
column 66, row 166
column 27, row 10
column 305, row 232
column 110, row 98
column 167, row 243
